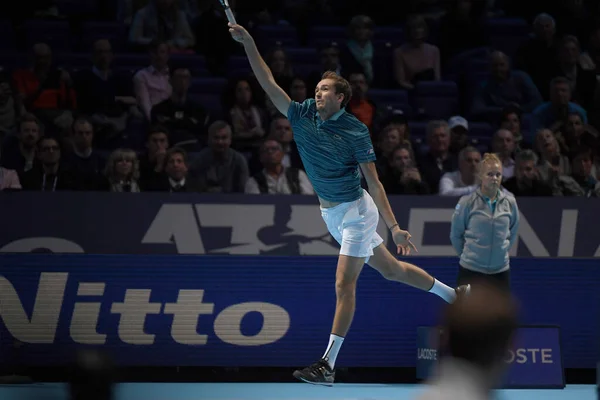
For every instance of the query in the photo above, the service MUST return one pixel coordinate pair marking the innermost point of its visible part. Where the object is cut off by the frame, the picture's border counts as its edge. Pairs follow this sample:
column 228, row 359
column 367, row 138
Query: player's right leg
column 346, row 276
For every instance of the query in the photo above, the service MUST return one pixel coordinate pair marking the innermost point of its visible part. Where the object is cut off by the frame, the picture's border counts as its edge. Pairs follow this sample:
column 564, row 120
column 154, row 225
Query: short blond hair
column 491, row 158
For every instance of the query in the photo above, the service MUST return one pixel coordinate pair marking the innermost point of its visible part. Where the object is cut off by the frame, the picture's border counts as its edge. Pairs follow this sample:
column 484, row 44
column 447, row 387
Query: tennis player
column 333, row 145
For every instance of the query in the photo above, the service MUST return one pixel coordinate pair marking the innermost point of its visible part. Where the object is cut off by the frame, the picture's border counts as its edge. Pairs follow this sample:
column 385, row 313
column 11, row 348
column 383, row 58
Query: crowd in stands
column 154, row 95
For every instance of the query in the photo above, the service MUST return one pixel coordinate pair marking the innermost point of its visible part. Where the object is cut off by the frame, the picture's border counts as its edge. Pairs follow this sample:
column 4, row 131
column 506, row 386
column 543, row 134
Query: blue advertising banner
column 535, row 361
column 256, row 311
column 164, row 223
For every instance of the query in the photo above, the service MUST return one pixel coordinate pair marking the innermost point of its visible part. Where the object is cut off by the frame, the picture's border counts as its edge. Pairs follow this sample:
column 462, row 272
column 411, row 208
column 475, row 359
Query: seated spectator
column 459, row 134
column 105, row 96
column 18, row 152
column 46, row 91
column 175, row 179
column 388, row 140
column 8, row 107
column 185, row 119
column 552, row 162
column 464, row 180
column 582, row 83
column 527, row 180
column 574, row 134
column 330, row 61
column 402, row 176
column 9, row 179
column 511, row 121
column 537, row 55
column 416, row 60
column 247, row 118
column 437, row 160
column 363, row 108
column 281, row 131
column 281, row 68
column 162, row 20
column 83, row 158
column 504, row 87
column 503, row 144
column 274, row 178
column 152, row 161
column 358, row 53
column 219, row 168
column 152, row 84
column 123, row 171
column 583, row 163
column 298, row 90
column 461, row 28
column 553, row 112
column 49, row 174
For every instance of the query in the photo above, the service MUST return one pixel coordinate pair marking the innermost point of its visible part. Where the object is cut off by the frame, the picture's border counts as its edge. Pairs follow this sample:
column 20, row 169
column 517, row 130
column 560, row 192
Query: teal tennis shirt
column 331, row 150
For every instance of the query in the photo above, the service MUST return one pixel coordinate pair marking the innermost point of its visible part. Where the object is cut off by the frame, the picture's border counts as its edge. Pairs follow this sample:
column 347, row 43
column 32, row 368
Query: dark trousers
column 500, row 280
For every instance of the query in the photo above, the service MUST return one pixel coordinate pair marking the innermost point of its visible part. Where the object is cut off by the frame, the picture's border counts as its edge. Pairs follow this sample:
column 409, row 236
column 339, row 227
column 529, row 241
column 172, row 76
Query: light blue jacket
column 481, row 237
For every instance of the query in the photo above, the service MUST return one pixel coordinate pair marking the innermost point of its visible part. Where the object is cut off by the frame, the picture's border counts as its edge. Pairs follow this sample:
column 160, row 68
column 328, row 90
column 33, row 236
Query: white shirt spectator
column 451, row 184
column 280, row 185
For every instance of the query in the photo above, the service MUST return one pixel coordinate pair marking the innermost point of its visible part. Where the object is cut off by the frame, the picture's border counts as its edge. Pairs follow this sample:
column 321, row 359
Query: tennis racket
column 228, row 12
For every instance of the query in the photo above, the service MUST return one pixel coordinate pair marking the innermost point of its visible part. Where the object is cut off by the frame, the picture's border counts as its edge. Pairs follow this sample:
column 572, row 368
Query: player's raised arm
column 262, row 72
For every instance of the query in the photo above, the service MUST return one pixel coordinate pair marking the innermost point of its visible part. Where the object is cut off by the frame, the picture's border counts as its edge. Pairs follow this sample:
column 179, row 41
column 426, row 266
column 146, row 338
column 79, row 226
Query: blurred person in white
column 152, row 85
column 402, row 175
column 274, row 177
column 527, row 180
column 49, row 173
column 219, row 168
column 503, row 145
column 484, row 228
column 123, row 171
column 464, row 180
column 477, row 331
column 416, row 60
column 18, row 152
column 162, row 20
column 176, row 178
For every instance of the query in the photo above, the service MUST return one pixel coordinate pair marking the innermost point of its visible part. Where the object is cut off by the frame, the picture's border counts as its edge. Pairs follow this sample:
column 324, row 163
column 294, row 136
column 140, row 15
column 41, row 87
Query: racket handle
column 230, row 16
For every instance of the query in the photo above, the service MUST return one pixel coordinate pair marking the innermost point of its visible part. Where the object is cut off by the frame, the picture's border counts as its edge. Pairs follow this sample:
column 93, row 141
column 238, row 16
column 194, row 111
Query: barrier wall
column 256, row 311
column 164, row 223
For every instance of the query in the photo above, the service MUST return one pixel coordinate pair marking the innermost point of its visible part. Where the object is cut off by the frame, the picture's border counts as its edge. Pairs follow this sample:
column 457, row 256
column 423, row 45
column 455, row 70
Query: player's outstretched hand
column 239, row 33
column 403, row 243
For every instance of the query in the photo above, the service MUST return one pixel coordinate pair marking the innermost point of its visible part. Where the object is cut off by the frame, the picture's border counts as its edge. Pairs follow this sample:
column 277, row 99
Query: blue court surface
column 279, row 391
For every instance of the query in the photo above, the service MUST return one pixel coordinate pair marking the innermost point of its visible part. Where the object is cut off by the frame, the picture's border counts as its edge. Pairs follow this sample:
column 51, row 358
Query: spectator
column 527, row 180
column 152, row 84
column 152, row 162
column 574, row 134
column 389, row 139
column 162, row 20
column 105, row 95
column 82, row 157
column 537, row 56
column 219, row 168
column 358, row 54
column 503, row 144
column 122, row 171
column 9, row 179
column 49, row 174
column 247, row 118
column 511, row 121
column 438, row 159
column 416, row 60
column 582, row 83
column 175, row 179
column 402, row 176
column 551, row 159
column 274, row 177
column 185, row 119
column 281, row 131
column 459, row 134
column 330, row 61
column 504, row 87
column 553, row 112
column 281, row 68
column 8, row 107
column 363, row 108
column 18, row 153
column 46, row 91
column 464, row 180
column 583, row 164
column 298, row 90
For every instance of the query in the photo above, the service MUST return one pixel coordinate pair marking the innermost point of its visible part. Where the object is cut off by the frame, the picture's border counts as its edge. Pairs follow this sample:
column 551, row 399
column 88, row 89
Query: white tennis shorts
column 354, row 226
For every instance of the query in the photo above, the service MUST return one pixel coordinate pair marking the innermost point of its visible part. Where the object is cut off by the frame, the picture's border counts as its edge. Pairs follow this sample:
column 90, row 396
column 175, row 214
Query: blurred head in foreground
column 91, row 376
column 478, row 331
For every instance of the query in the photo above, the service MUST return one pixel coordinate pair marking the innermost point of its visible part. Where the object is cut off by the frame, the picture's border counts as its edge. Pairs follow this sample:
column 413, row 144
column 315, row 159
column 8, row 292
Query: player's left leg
column 395, row 270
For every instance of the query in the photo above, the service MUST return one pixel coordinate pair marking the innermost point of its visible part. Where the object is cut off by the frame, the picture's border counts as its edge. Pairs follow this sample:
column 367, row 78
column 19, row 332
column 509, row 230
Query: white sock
column 333, row 348
column 444, row 291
